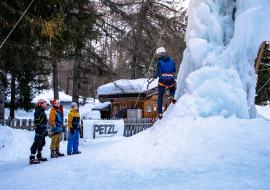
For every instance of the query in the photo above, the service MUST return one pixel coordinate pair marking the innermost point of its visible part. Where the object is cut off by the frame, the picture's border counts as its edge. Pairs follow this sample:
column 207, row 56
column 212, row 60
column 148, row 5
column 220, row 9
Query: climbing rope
column 263, row 86
column 152, row 60
column 16, row 24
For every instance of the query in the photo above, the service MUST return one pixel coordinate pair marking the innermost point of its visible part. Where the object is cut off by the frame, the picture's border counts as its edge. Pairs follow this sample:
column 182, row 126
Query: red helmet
column 55, row 101
column 41, row 101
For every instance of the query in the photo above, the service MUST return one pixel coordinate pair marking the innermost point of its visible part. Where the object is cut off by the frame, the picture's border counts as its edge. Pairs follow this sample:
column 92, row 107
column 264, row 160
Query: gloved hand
column 64, row 129
column 53, row 128
column 72, row 131
column 154, row 77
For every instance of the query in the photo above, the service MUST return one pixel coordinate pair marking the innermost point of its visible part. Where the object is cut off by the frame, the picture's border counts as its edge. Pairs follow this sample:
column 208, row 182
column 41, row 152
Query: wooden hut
column 123, row 96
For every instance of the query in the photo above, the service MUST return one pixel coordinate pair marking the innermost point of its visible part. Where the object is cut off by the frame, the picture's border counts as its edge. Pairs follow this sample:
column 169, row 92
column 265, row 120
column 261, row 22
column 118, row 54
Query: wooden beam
column 259, row 57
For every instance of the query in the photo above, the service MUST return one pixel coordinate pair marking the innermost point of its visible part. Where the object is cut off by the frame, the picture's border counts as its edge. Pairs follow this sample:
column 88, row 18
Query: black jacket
column 40, row 120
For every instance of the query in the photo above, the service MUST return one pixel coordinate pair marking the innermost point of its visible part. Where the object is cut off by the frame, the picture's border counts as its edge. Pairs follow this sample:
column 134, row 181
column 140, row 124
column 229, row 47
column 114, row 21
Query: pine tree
column 21, row 57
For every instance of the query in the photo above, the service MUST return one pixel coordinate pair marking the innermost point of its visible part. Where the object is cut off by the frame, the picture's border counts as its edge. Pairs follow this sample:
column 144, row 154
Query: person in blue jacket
column 75, row 130
column 165, row 70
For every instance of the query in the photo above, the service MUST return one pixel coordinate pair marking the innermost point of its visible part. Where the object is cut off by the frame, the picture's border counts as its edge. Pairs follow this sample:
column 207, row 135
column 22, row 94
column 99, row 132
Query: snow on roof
column 124, row 86
column 101, row 106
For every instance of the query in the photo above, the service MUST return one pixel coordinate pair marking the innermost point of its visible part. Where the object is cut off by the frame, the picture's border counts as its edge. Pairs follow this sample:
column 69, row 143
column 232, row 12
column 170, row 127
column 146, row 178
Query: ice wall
column 217, row 74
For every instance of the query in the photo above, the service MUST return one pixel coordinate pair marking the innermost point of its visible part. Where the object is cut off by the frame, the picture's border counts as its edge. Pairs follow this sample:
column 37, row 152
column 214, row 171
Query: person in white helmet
column 41, row 132
column 165, row 70
column 75, row 130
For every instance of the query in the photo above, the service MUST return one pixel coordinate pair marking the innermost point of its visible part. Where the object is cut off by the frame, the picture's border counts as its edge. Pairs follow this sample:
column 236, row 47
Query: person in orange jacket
column 74, row 126
column 57, row 124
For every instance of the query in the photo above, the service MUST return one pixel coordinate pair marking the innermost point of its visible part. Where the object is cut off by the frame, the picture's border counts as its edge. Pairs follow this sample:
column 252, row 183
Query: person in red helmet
column 41, row 132
column 57, row 124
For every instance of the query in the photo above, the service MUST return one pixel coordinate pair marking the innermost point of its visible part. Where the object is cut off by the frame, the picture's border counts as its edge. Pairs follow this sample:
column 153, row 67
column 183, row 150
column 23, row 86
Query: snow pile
column 208, row 130
column 86, row 111
column 126, row 86
column 16, row 143
column 217, row 74
column 187, row 144
column 49, row 95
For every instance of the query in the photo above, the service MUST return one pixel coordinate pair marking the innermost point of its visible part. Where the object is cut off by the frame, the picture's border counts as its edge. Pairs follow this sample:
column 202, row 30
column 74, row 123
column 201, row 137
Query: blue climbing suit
column 165, row 70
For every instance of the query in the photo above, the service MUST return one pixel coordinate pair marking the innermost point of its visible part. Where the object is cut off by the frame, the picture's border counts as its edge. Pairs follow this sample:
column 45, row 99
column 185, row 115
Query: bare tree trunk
column 55, row 80
column 85, row 89
column 75, row 94
column 2, row 96
column 67, row 86
column 13, row 92
column 259, row 57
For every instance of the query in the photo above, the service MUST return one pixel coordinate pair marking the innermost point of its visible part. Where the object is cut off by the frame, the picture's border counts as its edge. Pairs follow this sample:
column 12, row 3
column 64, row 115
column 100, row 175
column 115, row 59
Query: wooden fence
column 132, row 125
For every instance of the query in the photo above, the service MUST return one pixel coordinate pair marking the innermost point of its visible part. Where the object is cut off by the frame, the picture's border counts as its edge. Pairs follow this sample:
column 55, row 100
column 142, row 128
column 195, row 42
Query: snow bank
column 86, row 111
column 49, row 95
column 126, row 86
column 16, row 143
column 217, row 74
column 185, row 142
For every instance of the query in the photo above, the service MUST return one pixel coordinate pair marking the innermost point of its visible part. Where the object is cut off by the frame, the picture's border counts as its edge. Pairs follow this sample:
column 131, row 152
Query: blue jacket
column 165, row 65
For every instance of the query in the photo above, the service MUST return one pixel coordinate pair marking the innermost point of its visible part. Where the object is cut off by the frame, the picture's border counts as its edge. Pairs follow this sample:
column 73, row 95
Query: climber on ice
column 165, row 70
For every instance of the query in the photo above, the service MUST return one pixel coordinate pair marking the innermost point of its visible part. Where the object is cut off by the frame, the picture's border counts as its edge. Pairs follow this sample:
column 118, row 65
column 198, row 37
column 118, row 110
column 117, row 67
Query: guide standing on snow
column 41, row 132
column 75, row 130
column 57, row 124
column 165, row 70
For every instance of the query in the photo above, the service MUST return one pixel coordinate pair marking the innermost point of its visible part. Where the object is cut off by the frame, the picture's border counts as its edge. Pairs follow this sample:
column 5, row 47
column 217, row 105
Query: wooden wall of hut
column 122, row 103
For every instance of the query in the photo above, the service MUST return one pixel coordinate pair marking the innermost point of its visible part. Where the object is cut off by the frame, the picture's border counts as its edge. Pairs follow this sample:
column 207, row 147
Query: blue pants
column 73, row 141
column 167, row 81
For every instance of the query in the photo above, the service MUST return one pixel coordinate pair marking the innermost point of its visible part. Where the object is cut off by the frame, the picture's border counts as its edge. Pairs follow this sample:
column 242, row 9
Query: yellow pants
column 56, row 139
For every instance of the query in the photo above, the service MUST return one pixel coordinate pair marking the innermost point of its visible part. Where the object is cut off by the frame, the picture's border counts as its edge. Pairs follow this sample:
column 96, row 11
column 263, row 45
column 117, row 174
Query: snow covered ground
column 205, row 141
column 201, row 153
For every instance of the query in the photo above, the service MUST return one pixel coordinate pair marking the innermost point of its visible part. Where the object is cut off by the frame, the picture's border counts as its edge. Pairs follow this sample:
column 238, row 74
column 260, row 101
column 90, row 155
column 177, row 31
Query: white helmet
column 161, row 51
column 73, row 104
column 41, row 101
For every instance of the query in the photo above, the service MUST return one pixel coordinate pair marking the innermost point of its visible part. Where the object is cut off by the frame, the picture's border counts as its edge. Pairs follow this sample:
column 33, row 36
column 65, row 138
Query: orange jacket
column 55, row 117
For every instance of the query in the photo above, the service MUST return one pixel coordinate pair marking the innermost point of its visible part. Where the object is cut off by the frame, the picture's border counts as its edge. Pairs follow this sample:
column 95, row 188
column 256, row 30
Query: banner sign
column 102, row 128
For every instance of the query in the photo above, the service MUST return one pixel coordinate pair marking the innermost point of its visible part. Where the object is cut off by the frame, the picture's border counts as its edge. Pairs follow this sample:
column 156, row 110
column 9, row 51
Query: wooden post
column 2, row 122
column 18, row 122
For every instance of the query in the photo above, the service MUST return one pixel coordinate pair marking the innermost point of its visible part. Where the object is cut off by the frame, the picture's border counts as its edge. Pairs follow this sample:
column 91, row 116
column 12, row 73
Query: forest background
column 75, row 46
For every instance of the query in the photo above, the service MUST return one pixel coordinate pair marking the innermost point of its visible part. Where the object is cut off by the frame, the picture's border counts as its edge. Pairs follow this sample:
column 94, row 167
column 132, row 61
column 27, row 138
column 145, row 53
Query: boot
column 53, row 154
column 58, row 153
column 32, row 160
column 160, row 116
column 172, row 99
column 70, row 153
column 40, row 158
column 79, row 152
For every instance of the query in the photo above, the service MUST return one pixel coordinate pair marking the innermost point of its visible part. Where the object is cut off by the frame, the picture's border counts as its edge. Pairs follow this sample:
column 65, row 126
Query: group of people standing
column 165, row 71
column 57, row 127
